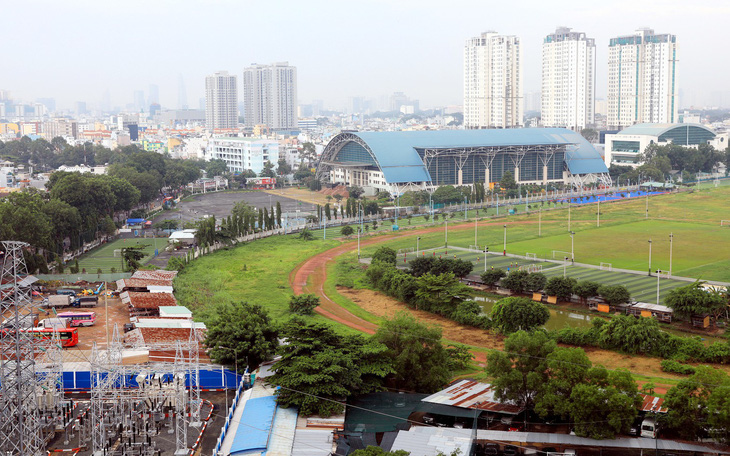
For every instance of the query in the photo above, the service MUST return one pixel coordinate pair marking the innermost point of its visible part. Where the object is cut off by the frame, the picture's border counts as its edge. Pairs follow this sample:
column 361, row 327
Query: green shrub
column 670, row 365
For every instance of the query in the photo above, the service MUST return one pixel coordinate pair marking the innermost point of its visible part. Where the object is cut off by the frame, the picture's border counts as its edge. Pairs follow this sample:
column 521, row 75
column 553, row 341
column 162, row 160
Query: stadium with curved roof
column 397, row 161
column 626, row 146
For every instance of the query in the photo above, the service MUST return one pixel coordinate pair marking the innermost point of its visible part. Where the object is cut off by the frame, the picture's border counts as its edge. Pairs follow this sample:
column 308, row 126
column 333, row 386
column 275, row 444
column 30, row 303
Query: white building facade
column 568, row 80
column 270, row 96
column 642, row 79
column 492, row 82
column 221, row 101
column 241, row 154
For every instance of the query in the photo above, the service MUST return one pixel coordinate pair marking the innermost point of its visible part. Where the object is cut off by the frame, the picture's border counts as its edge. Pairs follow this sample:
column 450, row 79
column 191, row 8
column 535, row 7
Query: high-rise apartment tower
column 270, row 95
column 642, row 79
column 492, row 82
column 221, row 101
column 568, row 80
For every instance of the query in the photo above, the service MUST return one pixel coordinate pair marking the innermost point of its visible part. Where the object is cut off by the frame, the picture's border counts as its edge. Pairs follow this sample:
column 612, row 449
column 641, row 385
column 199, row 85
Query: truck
column 86, row 301
column 54, row 323
column 59, row 301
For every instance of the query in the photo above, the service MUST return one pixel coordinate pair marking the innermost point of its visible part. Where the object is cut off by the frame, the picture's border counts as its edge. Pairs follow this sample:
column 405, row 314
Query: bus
column 79, row 318
column 69, row 336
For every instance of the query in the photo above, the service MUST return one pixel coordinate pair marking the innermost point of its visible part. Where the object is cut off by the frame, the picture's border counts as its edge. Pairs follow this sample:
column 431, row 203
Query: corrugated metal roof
column 652, row 404
column 167, row 323
column 282, row 441
column 167, row 335
column 395, row 151
column 529, row 438
column 175, row 312
column 142, row 300
column 154, row 275
column 429, row 441
column 654, row 307
column 471, row 394
column 254, row 428
column 312, row 442
column 142, row 283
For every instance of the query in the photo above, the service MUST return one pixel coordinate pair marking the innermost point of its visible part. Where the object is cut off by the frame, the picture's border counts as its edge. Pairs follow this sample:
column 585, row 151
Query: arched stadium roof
column 395, row 152
column 679, row 133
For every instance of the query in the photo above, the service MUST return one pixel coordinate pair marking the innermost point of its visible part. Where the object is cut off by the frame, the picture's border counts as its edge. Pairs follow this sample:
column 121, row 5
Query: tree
column 693, row 299
column 508, row 181
column 216, row 167
column 419, row 360
column 327, row 212
column 490, row 277
column 347, row 230
column 606, row 405
column 560, row 287
column 567, row 368
column 586, row 289
column 632, row 335
column 688, row 402
column 241, row 333
column 519, row 373
column 441, row 293
column 132, row 257
column 167, row 224
column 303, row 304
column 535, row 281
column 268, row 170
column 283, row 168
column 519, row 314
column 278, row 214
column 320, row 368
column 355, row 191
column 516, row 281
column 308, row 153
column 385, row 255
column 614, row 294
column 377, row 451
column 589, row 134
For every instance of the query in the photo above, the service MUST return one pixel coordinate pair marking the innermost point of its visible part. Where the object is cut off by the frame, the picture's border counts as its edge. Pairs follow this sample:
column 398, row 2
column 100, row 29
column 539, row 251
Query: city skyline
column 359, row 49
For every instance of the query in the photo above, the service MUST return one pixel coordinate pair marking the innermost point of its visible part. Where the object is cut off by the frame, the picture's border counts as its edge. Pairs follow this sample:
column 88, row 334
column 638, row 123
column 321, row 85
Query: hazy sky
column 76, row 50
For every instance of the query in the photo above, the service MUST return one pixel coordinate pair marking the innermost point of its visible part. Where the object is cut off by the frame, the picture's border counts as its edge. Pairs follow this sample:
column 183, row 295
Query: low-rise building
column 241, row 154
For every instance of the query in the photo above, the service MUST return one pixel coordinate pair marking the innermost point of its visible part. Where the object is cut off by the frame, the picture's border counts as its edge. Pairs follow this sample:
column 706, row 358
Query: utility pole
column 649, row 257
column 671, row 238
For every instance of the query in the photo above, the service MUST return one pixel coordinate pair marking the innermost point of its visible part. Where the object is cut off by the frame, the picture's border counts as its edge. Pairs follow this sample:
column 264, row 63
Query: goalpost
column 531, row 256
column 561, row 255
column 406, row 250
column 117, row 253
column 606, row 267
column 724, row 222
column 534, row 268
column 475, row 248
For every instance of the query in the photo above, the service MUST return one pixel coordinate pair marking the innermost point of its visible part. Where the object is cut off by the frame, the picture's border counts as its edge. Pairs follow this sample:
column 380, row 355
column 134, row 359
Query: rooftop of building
column 658, row 129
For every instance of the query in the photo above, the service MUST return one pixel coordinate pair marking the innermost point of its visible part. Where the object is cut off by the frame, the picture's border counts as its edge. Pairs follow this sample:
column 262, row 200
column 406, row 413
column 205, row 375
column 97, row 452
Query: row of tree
column 320, row 368
column 561, row 382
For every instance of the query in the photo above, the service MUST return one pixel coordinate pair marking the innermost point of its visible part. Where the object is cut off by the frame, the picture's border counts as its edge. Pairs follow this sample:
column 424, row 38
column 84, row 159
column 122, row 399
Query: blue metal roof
column 396, row 152
column 254, row 426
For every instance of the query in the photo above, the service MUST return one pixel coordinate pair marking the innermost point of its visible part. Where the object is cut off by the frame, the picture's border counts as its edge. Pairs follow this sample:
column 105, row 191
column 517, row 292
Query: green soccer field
column 103, row 258
column 700, row 246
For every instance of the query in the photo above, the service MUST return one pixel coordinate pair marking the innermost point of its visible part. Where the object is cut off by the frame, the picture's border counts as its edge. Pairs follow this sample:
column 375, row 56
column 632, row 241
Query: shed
column 182, row 237
column 644, row 309
column 175, row 312
column 701, row 321
column 468, row 394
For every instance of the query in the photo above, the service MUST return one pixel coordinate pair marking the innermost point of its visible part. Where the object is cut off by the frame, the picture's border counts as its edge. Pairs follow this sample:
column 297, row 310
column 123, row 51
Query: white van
column 649, row 428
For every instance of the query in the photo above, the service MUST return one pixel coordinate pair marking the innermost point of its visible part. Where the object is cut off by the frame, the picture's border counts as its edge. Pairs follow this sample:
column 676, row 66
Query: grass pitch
column 103, row 257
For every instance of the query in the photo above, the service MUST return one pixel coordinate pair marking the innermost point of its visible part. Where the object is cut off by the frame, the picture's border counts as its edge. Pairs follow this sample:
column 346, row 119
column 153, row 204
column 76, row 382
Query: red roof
column 142, row 300
column 652, row 404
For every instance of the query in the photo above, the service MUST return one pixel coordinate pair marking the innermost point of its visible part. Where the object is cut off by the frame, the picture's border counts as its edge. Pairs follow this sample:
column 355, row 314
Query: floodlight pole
column 671, row 238
column 649, row 257
column 475, row 233
column 417, row 245
column 598, row 215
column 572, row 251
column 570, row 203
column 647, row 205
column 658, row 272
column 486, row 249
column 446, row 232
column 504, row 250
column 539, row 222
column 358, row 242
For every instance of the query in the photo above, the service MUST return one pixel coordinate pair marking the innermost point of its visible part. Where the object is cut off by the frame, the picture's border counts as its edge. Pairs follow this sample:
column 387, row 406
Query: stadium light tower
column 572, row 245
column 649, row 257
column 671, row 239
column 504, row 250
column 417, row 245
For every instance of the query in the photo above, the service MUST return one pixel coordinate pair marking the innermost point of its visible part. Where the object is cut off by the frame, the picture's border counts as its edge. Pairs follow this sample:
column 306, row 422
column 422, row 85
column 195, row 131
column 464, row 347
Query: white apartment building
column 492, row 82
column 270, row 96
column 642, row 79
column 241, row 154
column 568, row 80
column 221, row 101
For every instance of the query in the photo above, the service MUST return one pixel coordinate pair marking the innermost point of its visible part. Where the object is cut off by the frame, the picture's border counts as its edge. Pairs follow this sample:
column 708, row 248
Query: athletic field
column 103, row 257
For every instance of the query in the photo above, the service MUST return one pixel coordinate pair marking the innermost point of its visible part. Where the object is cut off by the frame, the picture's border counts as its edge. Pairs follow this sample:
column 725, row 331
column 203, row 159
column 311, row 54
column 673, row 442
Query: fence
column 242, row 386
column 70, row 278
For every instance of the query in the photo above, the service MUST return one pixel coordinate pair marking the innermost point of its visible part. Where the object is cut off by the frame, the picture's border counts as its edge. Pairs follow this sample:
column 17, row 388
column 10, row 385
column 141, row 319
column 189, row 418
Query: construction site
column 138, row 383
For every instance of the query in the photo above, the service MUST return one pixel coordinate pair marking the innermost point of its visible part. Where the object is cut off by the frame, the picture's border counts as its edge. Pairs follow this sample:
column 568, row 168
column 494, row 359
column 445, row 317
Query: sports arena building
column 398, row 161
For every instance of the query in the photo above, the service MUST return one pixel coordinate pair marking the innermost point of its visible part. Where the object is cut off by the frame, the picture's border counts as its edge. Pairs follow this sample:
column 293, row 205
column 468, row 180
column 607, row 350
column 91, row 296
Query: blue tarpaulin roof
column 255, row 426
column 137, row 221
column 396, row 151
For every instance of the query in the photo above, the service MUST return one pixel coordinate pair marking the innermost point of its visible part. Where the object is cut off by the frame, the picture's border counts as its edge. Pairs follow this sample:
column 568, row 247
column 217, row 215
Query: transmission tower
column 21, row 429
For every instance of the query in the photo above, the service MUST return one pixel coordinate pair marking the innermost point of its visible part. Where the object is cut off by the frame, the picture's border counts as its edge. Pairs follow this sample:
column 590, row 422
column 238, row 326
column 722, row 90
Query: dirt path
column 310, row 276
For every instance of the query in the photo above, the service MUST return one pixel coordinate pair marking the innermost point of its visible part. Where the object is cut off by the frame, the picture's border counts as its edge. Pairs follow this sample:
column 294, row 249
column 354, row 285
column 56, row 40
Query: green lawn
column 701, row 247
column 103, row 257
column 257, row 272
